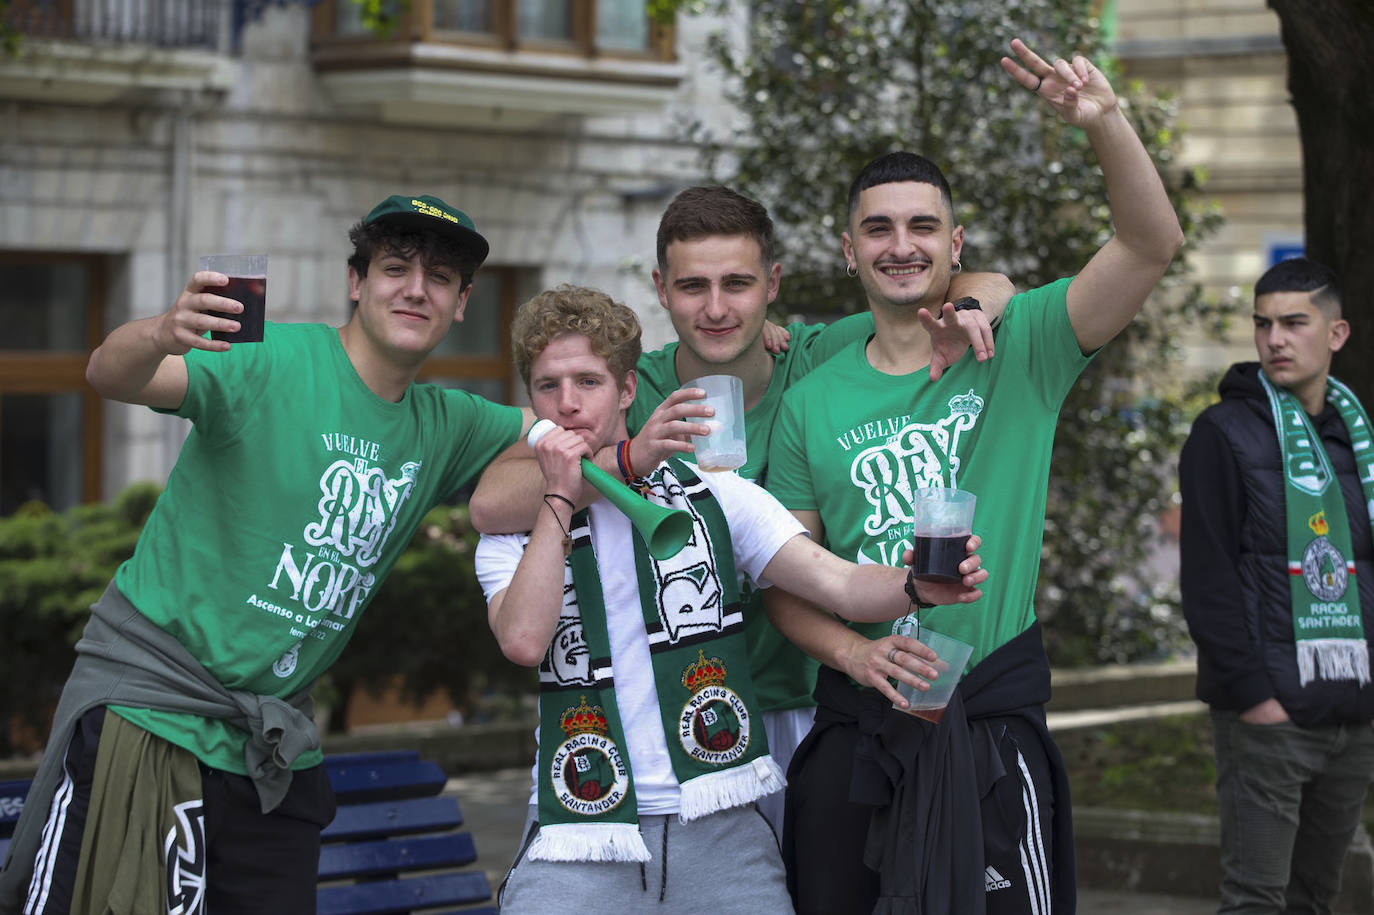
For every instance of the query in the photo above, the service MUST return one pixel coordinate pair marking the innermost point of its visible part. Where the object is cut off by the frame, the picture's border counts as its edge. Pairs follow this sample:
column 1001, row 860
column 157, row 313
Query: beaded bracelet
column 622, row 459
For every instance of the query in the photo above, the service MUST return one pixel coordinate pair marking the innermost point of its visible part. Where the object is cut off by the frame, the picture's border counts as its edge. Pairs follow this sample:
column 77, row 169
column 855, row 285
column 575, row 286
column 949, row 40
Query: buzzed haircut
column 700, row 212
column 897, row 167
column 612, row 329
column 1300, row 274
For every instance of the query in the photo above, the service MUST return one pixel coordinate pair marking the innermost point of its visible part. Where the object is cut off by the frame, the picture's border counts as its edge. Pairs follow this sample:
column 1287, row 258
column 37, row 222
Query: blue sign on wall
column 1284, row 250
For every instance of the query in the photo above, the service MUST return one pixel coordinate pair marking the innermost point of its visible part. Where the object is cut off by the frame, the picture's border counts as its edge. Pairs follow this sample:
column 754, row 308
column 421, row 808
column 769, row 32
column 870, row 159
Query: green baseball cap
column 432, row 214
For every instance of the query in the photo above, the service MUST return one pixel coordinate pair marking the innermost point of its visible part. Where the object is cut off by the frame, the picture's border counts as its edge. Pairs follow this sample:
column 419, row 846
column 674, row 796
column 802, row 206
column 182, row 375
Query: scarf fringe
column 736, row 787
column 1339, row 659
column 589, row 842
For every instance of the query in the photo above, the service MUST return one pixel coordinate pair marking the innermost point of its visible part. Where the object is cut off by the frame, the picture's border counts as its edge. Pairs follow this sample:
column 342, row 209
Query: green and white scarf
column 1327, row 625
column 711, row 721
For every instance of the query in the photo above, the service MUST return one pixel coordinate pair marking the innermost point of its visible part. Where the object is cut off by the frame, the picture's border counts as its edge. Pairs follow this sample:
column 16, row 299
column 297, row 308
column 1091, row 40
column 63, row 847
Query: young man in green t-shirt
column 716, row 276
column 854, row 441
column 184, row 771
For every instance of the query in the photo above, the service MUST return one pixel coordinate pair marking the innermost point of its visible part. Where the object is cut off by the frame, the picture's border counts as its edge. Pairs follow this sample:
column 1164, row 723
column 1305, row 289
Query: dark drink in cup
column 247, row 275
column 936, row 559
column 251, row 292
column 941, row 522
column 932, row 715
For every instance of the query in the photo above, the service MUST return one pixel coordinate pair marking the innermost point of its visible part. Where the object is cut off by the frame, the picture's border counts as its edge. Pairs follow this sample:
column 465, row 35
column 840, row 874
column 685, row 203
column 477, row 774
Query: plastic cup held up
column 941, row 526
column 724, row 447
column 247, row 275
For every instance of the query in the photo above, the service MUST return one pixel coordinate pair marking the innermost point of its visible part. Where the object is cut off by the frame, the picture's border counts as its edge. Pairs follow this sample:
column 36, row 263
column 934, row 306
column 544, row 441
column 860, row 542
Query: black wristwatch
column 967, row 303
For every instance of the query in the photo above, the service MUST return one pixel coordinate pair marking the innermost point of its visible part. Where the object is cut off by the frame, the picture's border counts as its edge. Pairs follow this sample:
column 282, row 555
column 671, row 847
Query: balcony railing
column 607, row 29
column 159, row 23
column 514, row 62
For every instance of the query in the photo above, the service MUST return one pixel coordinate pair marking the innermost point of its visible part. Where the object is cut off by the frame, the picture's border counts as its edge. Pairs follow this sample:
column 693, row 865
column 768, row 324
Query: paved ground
column 494, row 806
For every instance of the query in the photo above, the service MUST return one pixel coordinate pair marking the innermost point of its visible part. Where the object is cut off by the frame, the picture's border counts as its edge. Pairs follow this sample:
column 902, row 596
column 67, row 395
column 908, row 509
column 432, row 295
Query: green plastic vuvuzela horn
column 665, row 530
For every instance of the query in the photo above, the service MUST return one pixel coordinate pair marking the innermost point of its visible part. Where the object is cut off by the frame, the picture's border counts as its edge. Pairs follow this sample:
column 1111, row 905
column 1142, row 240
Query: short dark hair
column 434, row 249
column 699, row 212
column 897, row 167
column 1299, row 274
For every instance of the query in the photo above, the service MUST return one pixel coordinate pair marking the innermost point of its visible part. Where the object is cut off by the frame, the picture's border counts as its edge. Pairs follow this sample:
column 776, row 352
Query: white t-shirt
column 759, row 526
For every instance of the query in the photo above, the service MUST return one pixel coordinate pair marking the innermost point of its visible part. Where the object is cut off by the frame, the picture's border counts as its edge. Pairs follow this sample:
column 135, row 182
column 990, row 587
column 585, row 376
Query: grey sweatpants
column 724, row 863
column 1290, row 799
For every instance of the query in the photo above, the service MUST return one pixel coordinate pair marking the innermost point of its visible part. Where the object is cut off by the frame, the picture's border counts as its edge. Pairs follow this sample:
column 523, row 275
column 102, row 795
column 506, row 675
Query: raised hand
column 1077, row 90
column 668, row 429
column 951, row 335
column 182, row 328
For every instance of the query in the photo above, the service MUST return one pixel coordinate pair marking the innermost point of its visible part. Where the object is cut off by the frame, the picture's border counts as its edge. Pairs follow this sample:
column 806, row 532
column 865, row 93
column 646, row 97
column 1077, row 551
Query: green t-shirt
column 293, row 496
column 853, row 444
column 784, row 676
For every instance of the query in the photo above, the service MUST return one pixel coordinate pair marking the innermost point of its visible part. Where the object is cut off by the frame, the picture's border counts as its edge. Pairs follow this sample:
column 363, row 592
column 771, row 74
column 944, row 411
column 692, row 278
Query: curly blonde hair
column 610, row 327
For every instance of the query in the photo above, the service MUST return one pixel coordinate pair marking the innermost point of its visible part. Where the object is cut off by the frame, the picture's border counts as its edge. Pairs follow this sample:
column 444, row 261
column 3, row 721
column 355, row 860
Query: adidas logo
column 994, row 881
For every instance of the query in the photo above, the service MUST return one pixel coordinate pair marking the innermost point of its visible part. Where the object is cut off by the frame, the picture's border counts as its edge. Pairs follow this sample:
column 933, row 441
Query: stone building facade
column 140, row 134
column 1225, row 63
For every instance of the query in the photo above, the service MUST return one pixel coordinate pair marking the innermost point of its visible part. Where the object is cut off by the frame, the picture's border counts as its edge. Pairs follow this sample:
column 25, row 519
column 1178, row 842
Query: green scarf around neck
column 1327, row 625
column 711, row 721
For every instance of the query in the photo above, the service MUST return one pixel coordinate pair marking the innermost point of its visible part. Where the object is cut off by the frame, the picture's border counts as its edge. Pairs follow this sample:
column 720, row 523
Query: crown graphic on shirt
column 969, row 403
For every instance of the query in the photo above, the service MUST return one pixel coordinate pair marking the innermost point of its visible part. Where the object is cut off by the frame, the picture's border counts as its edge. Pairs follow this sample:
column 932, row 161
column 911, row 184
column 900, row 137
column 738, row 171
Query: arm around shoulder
column 992, row 290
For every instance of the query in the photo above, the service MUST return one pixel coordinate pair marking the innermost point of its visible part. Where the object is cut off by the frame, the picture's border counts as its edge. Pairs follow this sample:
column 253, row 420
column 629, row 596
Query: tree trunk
column 1330, row 75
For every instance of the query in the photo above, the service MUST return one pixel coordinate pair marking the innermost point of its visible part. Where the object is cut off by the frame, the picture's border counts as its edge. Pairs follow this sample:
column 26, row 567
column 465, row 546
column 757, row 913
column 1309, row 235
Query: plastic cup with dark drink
column 941, row 526
column 248, row 286
column 951, row 656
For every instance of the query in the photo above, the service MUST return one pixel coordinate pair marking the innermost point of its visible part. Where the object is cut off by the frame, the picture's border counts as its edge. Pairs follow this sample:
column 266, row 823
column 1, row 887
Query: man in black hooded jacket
column 1278, row 590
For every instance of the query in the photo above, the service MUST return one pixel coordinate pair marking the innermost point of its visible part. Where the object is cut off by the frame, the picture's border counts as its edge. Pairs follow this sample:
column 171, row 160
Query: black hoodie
column 1234, row 570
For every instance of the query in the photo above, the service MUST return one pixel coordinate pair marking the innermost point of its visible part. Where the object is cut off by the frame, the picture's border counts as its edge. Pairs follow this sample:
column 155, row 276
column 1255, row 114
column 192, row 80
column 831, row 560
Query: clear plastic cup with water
column 724, row 447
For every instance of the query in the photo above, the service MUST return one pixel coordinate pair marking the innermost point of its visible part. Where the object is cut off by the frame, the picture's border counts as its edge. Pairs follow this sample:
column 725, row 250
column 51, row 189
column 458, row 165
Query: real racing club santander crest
column 714, row 724
column 588, row 775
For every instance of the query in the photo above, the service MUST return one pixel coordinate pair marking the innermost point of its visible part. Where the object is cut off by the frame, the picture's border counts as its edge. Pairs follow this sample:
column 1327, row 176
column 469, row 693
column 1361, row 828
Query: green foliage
column 10, row 39
column 428, row 623
column 52, row 568
column 1151, row 764
column 665, row 12
column 826, row 86
column 382, row 17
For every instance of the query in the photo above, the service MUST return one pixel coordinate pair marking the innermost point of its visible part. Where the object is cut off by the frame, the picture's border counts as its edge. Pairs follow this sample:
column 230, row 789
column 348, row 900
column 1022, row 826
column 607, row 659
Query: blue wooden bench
column 394, row 846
